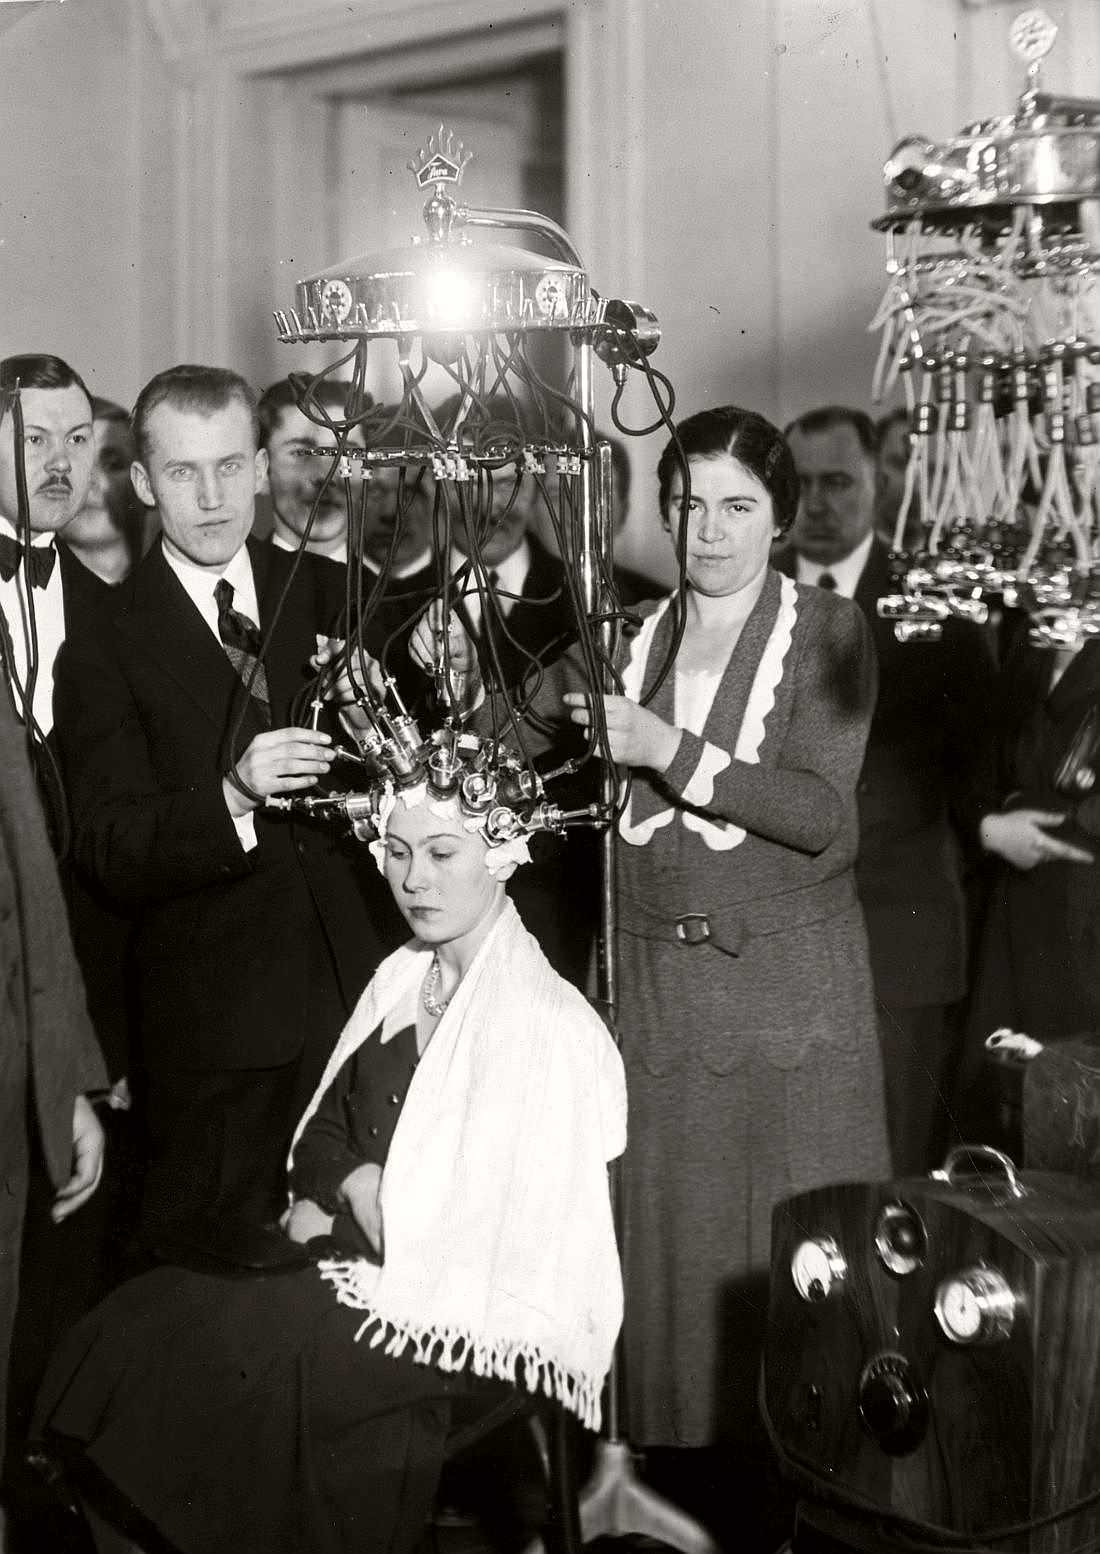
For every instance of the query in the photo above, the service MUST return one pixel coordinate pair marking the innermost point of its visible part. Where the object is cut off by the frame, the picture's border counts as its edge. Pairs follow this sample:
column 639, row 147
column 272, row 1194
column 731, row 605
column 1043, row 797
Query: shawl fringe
column 450, row 1349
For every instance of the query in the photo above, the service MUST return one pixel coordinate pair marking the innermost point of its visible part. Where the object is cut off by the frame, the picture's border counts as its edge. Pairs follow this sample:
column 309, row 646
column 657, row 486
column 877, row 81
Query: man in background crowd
column 45, row 593
column 297, row 472
column 926, row 777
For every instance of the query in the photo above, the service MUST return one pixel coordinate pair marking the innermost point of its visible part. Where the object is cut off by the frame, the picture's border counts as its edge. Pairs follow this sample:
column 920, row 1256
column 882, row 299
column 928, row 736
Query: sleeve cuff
column 245, row 827
column 321, row 1180
column 694, row 767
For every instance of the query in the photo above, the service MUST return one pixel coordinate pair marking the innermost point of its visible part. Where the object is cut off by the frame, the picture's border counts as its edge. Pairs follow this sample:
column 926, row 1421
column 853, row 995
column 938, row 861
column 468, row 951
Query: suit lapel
column 1080, row 682
column 82, row 592
column 874, row 581
column 301, row 616
column 164, row 624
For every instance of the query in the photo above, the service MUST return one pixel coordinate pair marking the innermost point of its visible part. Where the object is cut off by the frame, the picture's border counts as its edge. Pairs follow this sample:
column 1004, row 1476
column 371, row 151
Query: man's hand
column 361, row 1190
column 339, row 685
column 306, row 1219
column 426, row 643
column 281, row 761
column 88, row 1145
column 637, row 736
column 1021, row 837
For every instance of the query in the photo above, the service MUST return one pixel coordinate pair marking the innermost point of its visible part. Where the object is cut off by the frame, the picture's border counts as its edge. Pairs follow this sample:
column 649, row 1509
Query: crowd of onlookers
column 223, row 946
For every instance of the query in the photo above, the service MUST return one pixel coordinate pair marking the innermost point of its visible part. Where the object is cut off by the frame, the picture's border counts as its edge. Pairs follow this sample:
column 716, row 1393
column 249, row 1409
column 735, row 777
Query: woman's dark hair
column 745, row 436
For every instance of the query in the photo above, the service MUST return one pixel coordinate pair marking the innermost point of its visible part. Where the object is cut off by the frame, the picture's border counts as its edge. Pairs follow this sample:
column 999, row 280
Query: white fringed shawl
column 500, row 1248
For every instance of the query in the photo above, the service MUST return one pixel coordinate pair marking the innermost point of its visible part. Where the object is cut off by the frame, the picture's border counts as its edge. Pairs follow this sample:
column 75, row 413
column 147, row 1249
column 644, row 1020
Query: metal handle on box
column 948, row 1171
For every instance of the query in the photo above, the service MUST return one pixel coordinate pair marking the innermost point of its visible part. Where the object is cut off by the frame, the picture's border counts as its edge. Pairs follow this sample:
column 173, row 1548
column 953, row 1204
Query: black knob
column 893, row 1406
column 905, row 1237
column 887, row 1404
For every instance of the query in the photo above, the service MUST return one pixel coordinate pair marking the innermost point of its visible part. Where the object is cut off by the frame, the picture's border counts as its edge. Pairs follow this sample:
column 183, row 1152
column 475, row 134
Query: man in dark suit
column 46, row 594
column 924, row 786
column 49, row 1059
column 254, row 935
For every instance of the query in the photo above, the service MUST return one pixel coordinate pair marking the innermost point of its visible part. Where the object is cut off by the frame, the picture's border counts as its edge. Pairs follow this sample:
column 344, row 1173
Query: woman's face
column 731, row 525
column 436, row 870
column 111, row 506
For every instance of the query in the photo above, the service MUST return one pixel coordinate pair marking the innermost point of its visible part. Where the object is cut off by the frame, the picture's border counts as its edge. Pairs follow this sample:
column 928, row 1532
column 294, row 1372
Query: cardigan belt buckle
column 693, row 928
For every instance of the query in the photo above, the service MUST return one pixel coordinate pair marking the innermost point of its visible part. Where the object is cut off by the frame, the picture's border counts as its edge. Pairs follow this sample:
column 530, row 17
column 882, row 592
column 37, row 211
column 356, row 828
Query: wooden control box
column 933, row 1352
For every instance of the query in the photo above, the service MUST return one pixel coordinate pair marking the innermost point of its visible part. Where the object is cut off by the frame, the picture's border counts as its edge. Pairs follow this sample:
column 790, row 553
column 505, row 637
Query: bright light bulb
column 450, row 299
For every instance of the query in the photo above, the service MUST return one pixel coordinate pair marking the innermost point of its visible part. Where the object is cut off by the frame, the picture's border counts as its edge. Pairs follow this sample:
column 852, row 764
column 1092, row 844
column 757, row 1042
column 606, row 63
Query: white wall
column 724, row 164
column 76, row 166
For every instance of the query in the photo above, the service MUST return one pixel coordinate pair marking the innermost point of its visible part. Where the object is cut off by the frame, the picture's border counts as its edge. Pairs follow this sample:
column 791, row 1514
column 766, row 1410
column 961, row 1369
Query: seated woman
column 458, row 1144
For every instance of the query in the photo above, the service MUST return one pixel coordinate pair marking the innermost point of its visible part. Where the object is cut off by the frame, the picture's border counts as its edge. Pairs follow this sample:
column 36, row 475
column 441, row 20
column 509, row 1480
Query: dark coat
column 223, row 937
column 1039, row 966
column 101, row 935
column 45, row 1012
column 925, row 783
column 48, row 1053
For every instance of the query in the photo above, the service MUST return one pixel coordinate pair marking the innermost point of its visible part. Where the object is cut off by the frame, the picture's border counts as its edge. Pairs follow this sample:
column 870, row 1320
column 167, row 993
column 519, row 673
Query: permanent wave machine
column 470, row 314
column 991, row 324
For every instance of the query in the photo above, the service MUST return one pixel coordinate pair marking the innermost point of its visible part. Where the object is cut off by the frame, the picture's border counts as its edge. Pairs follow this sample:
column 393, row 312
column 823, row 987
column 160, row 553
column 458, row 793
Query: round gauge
column 975, row 1307
column 551, row 298
column 817, row 1268
column 900, row 1238
column 958, row 1311
column 336, row 300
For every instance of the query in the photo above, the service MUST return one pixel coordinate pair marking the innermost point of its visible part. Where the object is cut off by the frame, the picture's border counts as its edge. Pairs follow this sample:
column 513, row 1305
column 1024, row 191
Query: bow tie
column 39, row 565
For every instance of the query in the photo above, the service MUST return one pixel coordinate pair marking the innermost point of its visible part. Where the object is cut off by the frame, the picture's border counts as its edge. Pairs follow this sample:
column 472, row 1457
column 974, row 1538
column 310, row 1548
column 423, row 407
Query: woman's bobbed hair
column 749, row 438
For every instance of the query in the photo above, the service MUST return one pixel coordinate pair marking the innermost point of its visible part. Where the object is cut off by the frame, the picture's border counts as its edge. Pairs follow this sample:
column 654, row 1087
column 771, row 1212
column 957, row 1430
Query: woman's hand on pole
column 637, row 736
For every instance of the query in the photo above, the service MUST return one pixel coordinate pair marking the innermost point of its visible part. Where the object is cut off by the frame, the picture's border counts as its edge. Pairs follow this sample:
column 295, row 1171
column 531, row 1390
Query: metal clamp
column 693, row 928
column 948, row 1172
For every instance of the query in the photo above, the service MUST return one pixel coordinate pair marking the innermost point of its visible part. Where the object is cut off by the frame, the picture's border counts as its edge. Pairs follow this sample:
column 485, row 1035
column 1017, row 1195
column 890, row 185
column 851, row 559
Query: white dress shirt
column 846, row 572
column 49, row 629
column 511, row 576
column 200, row 584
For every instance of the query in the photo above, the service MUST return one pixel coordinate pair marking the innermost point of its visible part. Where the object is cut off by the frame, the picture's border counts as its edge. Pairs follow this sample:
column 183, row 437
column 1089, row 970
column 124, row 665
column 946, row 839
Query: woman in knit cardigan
column 746, row 1010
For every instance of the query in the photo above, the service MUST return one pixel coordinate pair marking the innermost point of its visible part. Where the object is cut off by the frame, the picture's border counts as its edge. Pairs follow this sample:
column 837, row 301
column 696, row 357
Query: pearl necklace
column 435, row 1006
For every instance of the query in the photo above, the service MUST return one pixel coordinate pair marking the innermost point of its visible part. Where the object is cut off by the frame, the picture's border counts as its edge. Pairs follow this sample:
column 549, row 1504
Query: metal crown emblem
column 440, row 161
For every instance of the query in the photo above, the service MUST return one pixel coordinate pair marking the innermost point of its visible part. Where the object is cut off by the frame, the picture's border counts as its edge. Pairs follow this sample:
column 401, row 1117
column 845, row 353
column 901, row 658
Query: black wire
column 680, row 606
